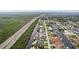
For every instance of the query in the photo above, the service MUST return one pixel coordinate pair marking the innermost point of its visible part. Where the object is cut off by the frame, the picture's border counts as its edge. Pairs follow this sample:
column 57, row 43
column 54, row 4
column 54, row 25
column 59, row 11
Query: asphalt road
column 11, row 40
column 66, row 42
column 29, row 45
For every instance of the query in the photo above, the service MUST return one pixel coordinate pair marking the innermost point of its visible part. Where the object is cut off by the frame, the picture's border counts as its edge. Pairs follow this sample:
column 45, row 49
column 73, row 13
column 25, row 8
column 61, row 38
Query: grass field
column 23, row 40
column 9, row 25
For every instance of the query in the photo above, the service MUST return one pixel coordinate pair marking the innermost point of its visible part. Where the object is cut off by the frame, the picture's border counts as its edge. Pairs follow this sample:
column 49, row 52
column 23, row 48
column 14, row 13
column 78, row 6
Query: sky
column 6, row 5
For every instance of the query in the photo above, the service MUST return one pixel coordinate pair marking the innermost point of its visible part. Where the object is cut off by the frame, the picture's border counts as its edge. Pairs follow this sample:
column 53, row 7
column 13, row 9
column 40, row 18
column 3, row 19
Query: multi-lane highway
column 11, row 40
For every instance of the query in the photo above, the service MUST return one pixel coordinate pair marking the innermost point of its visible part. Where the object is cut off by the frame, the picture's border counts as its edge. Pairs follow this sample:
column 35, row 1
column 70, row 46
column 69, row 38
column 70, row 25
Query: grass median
column 23, row 40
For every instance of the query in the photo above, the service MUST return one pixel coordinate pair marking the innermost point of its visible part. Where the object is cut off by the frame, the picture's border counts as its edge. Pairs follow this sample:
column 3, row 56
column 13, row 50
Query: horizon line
column 39, row 10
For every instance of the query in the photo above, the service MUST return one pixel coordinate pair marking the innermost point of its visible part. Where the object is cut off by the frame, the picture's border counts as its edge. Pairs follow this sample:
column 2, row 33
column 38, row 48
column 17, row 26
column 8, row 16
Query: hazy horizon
column 39, row 10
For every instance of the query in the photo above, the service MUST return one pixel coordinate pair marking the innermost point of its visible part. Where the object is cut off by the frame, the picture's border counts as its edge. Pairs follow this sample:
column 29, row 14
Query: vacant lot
column 9, row 25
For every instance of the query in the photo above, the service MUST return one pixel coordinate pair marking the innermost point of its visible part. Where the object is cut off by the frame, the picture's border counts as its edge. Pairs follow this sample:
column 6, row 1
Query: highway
column 66, row 42
column 11, row 40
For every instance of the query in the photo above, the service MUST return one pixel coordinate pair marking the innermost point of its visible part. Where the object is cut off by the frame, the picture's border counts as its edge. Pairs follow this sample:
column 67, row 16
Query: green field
column 23, row 40
column 9, row 25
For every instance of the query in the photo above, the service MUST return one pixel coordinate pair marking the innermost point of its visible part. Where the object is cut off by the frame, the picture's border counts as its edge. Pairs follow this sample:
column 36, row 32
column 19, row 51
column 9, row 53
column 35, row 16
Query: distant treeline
column 65, row 18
